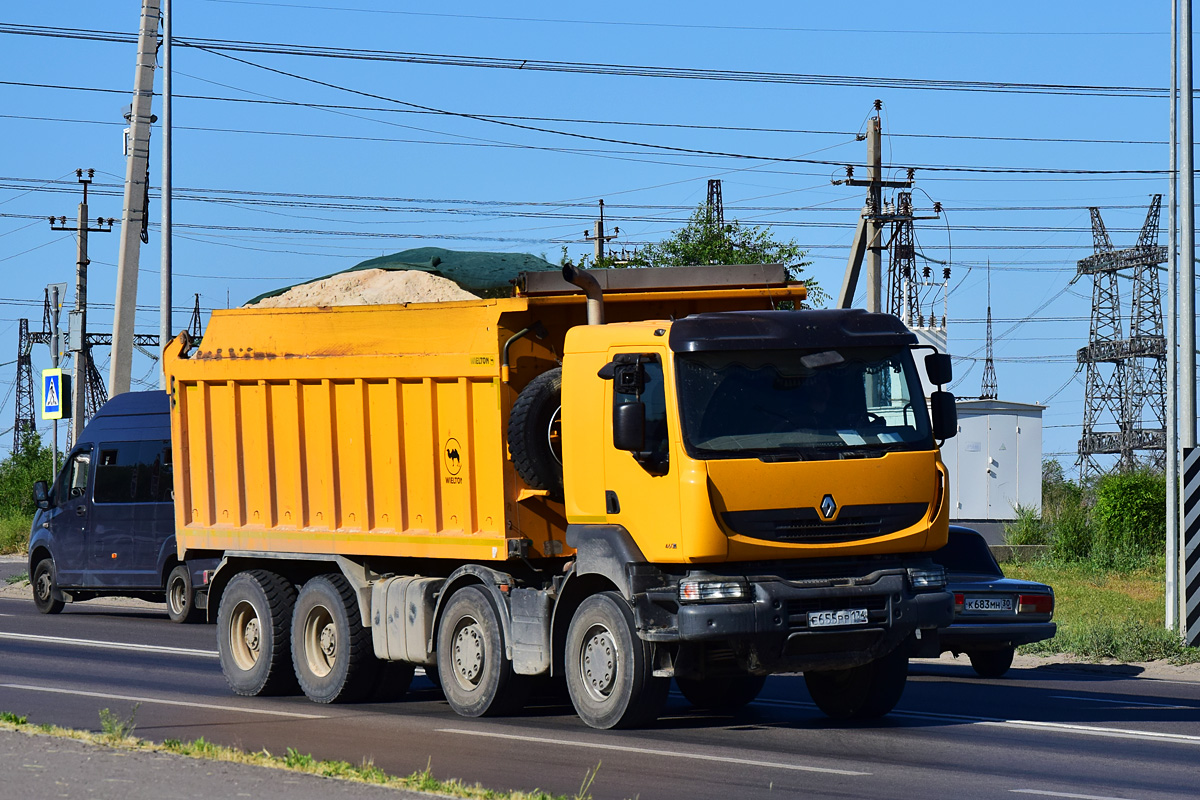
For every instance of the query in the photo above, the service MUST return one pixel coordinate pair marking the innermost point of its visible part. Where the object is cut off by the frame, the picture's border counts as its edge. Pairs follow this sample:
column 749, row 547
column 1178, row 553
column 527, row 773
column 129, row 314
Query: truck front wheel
column 476, row 677
column 253, row 622
column 865, row 692
column 725, row 693
column 610, row 671
column 331, row 649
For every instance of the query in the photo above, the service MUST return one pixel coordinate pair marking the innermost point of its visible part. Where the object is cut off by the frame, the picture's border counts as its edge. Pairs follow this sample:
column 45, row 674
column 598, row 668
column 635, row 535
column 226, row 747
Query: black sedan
column 992, row 614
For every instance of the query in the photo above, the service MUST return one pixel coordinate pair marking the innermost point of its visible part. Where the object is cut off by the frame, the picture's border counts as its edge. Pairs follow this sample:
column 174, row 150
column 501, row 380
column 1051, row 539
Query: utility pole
column 1172, row 394
column 869, row 233
column 55, row 292
column 597, row 236
column 78, row 317
column 164, row 314
column 1186, row 292
column 133, row 213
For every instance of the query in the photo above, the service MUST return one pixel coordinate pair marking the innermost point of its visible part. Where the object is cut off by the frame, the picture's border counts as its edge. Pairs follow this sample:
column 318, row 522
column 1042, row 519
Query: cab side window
column 651, row 391
column 74, row 480
column 134, row 472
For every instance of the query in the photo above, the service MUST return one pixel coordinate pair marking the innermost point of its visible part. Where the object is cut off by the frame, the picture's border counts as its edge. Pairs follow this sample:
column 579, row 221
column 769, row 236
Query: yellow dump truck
column 613, row 477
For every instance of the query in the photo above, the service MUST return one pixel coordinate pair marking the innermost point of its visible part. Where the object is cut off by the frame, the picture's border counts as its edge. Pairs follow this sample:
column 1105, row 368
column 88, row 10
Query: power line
column 689, row 26
column 624, row 70
column 565, row 120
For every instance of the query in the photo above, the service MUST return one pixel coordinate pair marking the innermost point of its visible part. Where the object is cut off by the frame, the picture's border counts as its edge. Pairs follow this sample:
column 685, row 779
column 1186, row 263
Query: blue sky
column 277, row 186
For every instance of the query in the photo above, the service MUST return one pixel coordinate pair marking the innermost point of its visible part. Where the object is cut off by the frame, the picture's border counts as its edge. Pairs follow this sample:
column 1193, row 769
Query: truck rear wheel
column 725, row 693
column 610, row 671
column 253, row 622
column 865, row 692
column 331, row 649
column 181, row 601
column 476, row 676
column 534, row 433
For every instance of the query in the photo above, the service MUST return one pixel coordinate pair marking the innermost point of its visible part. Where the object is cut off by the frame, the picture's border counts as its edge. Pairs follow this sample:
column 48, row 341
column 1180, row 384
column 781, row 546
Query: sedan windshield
column 848, row 402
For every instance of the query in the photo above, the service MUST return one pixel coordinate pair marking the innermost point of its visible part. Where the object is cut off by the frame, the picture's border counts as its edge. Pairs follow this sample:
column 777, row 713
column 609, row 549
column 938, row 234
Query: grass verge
column 14, row 534
column 1106, row 614
column 116, row 733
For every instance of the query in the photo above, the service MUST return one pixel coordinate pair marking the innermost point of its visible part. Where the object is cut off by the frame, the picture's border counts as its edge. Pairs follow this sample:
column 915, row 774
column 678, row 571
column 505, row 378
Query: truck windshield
column 849, row 402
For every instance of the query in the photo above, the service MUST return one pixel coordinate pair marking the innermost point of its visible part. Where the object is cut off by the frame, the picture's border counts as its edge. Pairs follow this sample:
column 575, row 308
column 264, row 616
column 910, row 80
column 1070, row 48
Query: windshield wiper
column 781, row 456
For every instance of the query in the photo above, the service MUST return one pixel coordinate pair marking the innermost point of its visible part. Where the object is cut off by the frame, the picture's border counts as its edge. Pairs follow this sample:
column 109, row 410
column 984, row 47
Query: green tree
column 701, row 241
column 28, row 463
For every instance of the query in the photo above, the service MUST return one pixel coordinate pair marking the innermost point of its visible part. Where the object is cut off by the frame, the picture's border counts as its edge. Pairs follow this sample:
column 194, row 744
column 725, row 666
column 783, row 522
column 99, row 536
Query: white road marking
column 1058, row 727
column 1047, row 793
column 1116, row 702
column 159, row 701
column 143, row 648
column 647, row 751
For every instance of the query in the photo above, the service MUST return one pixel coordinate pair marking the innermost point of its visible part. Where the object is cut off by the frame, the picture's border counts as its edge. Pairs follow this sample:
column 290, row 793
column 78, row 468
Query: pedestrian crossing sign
column 56, row 394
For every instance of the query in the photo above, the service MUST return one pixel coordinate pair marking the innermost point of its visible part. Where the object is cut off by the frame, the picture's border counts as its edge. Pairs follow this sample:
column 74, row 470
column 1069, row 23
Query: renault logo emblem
column 828, row 506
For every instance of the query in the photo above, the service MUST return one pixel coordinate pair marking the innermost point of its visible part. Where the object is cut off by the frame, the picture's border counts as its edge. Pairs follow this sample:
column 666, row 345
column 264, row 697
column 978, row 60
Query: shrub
column 1027, row 528
column 14, row 534
column 1130, row 517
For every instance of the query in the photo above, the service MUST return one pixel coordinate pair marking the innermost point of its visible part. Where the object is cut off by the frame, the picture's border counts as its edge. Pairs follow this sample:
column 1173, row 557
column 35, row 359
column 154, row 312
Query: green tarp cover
column 479, row 273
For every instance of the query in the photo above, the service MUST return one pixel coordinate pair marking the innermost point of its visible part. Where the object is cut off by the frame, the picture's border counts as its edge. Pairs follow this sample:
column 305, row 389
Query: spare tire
column 534, row 433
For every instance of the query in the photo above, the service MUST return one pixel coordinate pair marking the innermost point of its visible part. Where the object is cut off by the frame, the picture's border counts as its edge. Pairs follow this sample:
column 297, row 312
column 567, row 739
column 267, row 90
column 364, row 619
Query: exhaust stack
column 591, row 287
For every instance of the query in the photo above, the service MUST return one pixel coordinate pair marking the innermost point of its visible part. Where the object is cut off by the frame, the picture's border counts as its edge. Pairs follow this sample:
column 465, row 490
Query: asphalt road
column 1042, row 732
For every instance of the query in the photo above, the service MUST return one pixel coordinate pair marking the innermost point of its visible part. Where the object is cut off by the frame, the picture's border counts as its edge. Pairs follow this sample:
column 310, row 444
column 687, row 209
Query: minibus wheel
column 181, row 601
column 43, row 583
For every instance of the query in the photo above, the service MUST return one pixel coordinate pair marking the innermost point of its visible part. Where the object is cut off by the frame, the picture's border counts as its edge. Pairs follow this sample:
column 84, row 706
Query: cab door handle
column 81, row 511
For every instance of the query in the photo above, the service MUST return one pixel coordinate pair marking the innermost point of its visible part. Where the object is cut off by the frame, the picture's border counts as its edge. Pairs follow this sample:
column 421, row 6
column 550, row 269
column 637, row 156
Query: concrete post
column 875, row 208
column 133, row 213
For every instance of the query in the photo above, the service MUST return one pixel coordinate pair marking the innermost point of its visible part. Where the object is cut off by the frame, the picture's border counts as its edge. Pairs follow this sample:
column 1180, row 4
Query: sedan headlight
column 927, row 577
column 712, row 590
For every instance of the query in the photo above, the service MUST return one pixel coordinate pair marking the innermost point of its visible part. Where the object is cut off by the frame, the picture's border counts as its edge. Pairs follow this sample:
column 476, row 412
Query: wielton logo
column 828, row 506
column 453, row 459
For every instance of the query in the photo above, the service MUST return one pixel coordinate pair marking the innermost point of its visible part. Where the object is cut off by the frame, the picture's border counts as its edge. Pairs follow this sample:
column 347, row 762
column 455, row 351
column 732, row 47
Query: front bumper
column 770, row 632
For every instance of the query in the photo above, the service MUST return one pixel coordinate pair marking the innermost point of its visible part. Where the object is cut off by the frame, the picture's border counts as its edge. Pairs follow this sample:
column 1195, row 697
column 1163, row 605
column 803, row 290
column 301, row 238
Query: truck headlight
column 712, row 590
column 927, row 577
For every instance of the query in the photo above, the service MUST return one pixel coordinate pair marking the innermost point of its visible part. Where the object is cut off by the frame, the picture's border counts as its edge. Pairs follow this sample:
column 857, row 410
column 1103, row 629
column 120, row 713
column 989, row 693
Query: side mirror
column 41, row 493
column 945, row 415
column 629, row 427
column 939, row 368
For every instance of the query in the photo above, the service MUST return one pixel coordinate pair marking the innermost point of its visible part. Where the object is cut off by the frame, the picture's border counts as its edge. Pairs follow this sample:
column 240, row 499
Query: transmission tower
column 913, row 294
column 194, row 327
column 990, row 389
column 714, row 208
column 1125, row 372
column 23, row 425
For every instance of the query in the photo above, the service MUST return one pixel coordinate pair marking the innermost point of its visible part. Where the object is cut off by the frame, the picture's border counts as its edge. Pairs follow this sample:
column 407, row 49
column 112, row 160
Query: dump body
column 376, row 431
